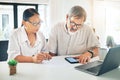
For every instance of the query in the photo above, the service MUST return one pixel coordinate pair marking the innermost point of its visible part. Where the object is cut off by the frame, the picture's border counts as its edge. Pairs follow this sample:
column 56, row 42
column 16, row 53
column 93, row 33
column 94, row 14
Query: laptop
column 111, row 61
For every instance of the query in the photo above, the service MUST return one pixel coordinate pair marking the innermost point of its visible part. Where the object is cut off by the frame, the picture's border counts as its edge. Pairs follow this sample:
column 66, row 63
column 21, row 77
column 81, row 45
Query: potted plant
column 12, row 65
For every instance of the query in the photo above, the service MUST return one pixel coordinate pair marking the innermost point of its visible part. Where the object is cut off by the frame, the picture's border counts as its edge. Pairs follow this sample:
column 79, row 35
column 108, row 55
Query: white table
column 55, row 69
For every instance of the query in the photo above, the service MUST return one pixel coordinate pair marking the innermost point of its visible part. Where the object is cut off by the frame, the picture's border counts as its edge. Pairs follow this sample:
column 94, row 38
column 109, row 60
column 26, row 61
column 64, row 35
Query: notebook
column 111, row 61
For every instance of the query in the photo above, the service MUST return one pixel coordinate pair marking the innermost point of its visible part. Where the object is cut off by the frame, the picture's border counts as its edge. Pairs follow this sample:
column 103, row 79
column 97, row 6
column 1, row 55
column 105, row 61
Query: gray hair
column 77, row 11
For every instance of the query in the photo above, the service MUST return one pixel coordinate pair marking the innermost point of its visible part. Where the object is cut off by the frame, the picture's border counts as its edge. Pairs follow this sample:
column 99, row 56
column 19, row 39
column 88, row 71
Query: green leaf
column 12, row 62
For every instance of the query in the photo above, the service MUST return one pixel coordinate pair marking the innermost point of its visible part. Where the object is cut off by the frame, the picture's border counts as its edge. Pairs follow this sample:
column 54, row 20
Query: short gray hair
column 77, row 11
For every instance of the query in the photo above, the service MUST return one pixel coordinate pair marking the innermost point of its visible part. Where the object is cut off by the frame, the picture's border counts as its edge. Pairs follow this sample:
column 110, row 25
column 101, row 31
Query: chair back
column 3, row 50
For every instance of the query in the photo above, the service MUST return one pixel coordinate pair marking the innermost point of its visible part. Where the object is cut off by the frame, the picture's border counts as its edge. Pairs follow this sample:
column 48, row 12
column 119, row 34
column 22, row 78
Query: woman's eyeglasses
column 35, row 23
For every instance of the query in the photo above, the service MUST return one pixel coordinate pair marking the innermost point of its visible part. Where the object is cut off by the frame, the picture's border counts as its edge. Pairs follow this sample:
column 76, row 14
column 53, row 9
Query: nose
column 74, row 27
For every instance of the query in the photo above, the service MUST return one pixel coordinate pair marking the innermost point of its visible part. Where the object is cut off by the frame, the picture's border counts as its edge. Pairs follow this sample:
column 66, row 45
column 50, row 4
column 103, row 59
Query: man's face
column 74, row 23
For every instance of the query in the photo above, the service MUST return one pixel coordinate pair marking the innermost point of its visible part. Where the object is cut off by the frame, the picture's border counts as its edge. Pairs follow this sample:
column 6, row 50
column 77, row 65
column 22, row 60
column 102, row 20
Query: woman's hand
column 47, row 56
column 38, row 58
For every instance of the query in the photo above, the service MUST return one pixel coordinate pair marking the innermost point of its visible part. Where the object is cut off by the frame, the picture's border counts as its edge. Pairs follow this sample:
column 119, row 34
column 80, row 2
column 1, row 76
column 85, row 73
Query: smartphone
column 71, row 60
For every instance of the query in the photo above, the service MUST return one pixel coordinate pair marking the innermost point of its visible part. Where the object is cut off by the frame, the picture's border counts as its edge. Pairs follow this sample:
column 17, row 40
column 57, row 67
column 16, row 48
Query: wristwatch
column 91, row 52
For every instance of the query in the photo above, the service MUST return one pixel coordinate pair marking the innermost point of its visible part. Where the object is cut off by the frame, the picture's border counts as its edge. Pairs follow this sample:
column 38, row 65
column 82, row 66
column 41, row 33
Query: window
column 107, row 20
column 6, row 21
column 11, row 17
column 113, row 22
column 43, row 10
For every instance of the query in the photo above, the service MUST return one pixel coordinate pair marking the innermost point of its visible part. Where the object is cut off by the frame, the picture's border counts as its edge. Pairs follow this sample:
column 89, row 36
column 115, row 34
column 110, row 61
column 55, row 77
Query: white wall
column 104, row 20
column 59, row 9
column 96, row 12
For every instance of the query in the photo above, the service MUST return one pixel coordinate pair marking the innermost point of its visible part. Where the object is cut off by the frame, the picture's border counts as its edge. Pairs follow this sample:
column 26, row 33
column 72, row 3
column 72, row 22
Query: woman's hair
column 77, row 11
column 29, row 13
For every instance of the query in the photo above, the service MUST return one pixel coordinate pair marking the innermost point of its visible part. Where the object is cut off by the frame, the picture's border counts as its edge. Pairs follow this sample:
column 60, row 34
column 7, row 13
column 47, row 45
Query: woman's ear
column 23, row 22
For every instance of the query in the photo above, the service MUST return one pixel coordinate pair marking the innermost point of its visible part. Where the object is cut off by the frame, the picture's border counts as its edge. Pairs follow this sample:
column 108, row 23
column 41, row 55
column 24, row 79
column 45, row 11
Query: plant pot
column 12, row 70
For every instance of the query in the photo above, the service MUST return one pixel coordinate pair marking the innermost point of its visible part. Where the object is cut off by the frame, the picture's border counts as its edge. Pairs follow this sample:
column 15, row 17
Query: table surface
column 55, row 69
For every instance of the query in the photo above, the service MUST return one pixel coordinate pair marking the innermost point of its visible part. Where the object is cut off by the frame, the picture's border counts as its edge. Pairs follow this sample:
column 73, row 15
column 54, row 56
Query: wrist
column 91, row 52
column 33, row 59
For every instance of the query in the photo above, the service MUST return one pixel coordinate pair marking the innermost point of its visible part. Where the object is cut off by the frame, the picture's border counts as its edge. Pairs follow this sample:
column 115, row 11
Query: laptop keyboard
column 94, row 69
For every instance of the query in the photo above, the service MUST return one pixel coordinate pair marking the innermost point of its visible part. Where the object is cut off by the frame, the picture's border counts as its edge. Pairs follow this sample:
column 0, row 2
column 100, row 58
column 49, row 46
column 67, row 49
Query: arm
column 38, row 58
column 86, row 56
column 14, row 51
column 52, row 54
column 21, row 58
column 95, row 51
column 52, row 42
column 92, row 49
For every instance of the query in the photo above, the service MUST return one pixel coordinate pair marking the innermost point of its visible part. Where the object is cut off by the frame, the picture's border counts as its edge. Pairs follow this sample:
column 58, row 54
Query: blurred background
column 102, row 15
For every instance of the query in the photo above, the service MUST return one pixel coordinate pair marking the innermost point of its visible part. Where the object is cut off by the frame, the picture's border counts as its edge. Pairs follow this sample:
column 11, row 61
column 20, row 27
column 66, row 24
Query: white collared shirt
column 20, row 45
column 62, row 43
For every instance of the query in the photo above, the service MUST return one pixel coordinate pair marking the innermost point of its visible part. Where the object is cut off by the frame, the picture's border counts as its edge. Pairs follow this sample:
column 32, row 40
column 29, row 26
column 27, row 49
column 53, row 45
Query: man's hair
column 77, row 11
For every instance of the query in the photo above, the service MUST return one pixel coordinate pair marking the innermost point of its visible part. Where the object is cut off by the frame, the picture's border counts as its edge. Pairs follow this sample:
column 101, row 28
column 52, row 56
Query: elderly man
column 74, row 37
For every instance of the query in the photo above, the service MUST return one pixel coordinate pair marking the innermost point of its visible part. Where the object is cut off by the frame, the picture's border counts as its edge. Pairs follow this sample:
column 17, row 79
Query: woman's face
column 33, row 24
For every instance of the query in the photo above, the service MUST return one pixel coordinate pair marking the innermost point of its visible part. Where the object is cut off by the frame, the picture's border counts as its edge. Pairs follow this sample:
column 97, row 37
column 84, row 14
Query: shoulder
column 59, row 25
column 16, row 31
column 40, row 34
column 87, row 28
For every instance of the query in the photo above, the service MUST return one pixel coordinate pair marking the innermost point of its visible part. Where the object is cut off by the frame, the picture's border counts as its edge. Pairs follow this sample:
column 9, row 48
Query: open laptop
column 111, row 61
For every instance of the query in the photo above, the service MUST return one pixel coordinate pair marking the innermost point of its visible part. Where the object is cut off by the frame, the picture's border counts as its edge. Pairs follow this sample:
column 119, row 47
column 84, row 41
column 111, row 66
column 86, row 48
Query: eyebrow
column 76, row 23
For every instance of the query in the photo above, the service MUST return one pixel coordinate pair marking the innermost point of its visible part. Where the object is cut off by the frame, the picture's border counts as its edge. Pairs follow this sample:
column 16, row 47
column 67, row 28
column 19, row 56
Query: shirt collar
column 65, row 28
column 25, row 37
column 24, row 34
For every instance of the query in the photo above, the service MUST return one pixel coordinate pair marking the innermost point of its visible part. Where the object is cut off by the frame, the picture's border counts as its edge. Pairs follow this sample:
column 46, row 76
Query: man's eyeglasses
column 77, row 26
column 35, row 24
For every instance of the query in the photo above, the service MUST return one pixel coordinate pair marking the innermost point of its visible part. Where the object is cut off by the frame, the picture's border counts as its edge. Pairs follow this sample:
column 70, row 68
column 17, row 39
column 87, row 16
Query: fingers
column 38, row 58
column 84, row 58
column 46, row 56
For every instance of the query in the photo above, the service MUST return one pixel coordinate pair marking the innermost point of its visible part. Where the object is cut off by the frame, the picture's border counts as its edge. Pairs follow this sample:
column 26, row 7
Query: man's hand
column 84, row 58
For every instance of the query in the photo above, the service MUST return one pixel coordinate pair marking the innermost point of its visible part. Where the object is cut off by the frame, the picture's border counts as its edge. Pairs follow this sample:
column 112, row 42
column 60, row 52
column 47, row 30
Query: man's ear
column 67, row 16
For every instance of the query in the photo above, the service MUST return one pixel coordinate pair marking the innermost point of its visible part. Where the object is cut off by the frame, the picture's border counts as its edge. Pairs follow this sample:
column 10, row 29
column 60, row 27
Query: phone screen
column 71, row 60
